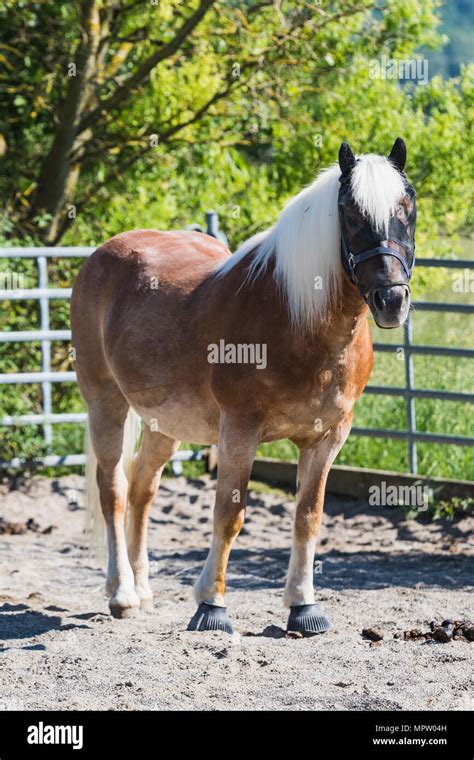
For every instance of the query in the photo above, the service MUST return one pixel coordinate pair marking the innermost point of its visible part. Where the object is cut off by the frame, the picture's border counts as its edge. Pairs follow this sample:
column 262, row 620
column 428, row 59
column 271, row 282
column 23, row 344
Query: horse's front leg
column 313, row 468
column 238, row 441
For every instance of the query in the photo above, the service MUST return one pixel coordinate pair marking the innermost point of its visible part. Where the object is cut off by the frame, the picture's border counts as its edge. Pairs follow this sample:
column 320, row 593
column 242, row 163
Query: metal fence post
column 212, row 222
column 45, row 352
column 410, row 383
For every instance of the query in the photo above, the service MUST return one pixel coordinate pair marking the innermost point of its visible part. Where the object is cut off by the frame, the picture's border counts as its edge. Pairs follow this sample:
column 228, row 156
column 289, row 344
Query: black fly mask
column 359, row 240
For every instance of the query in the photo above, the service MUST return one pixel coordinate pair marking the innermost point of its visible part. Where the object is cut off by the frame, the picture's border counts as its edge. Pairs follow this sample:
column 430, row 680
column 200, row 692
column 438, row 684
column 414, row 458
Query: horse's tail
column 96, row 528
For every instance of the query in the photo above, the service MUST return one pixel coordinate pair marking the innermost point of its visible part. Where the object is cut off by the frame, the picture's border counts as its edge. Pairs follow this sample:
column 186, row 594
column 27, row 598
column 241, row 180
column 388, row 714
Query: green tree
column 93, row 89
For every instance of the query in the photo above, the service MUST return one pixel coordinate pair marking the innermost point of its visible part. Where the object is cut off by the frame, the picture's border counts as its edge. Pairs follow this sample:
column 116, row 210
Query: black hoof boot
column 308, row 619
column 210, row 618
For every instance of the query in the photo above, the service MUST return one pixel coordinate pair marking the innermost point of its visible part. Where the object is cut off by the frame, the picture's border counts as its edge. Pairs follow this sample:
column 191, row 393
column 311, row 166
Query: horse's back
column 144, row 260
column 131, row 304
column 161, row 244
column 173, row 255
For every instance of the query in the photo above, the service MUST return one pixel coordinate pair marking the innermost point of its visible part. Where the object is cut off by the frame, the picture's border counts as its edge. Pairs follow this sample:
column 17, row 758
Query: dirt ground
column 60, row 649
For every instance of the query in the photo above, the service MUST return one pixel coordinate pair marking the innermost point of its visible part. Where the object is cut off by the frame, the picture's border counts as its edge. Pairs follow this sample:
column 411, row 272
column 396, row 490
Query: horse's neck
column 347, row 318
column 338, row 329
column 260, row 306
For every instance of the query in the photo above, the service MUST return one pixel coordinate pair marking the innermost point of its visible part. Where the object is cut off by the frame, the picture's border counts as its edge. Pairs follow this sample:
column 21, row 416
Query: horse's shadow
column 366, row 570
column 266, row 568
column 22, row 622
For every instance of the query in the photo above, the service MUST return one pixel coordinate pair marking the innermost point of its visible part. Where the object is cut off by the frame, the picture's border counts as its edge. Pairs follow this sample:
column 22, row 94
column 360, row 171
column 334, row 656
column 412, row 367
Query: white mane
column 377, row 187
column 306, row 240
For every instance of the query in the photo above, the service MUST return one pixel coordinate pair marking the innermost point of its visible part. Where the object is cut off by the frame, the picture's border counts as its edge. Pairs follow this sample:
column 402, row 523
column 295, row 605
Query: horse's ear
column 398, row 154
column 347, row 160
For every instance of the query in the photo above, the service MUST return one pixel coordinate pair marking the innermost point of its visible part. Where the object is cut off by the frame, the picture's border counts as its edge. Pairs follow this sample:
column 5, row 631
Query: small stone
column 374, row 633
column 444, row 635
column 275, row 632
column 415, row 633
column 294, row 635
column 11, row 528
column 469, row 632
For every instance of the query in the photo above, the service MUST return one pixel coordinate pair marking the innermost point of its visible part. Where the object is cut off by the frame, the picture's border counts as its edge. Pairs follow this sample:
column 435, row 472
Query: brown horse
column 272, row 342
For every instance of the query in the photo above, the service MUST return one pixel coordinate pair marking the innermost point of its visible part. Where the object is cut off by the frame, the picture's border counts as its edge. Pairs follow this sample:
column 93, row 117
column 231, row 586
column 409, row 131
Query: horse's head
column 377, row 214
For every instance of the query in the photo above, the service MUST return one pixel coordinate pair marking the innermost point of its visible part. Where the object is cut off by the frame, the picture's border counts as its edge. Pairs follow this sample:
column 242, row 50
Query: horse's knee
column 229, row 522
column 308, row 519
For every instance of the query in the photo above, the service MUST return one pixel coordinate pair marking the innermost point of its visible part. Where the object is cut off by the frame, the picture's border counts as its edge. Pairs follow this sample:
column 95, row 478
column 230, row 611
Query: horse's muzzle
column 390, row 305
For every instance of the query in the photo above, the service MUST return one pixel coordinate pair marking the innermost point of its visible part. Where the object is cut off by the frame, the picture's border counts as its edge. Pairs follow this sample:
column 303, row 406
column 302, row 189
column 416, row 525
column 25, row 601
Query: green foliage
column 444, row 509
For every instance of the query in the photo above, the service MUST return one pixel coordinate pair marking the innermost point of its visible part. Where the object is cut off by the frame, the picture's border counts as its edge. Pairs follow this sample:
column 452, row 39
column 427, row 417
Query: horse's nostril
column 390, row 297
column 377, row 300
column 405, row 293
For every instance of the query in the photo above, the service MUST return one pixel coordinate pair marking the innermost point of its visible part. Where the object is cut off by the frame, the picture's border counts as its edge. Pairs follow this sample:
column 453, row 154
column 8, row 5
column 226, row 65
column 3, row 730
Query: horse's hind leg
column 155, row 451
column 107, row 414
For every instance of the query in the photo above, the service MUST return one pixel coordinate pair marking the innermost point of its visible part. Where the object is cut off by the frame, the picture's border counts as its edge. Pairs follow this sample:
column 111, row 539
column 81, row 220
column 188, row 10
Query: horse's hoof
column 121, row 613
column 209, row 617
column 124, row 603
column 308, row 619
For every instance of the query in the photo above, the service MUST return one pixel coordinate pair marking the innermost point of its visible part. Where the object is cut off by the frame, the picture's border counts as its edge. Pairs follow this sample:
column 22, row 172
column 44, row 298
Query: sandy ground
column 60, row 649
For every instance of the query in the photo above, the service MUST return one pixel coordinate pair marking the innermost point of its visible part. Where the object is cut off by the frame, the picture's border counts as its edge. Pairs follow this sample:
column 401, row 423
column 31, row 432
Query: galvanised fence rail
column 409, row 392
column 43, row 293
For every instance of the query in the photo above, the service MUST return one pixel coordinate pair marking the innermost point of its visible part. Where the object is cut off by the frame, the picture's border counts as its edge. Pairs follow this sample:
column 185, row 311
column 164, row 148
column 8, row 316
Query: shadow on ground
column 21, row 622
column 267, row 568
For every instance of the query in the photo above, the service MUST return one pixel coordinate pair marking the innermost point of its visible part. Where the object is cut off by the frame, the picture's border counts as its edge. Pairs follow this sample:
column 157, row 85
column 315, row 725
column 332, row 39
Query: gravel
column 378, row 571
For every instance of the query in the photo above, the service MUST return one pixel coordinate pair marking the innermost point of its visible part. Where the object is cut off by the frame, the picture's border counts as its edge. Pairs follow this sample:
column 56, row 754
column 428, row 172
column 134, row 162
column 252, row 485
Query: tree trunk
column 58, row 176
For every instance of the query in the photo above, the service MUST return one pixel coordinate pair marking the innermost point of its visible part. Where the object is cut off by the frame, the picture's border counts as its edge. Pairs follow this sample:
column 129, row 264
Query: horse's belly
column 181, row 420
